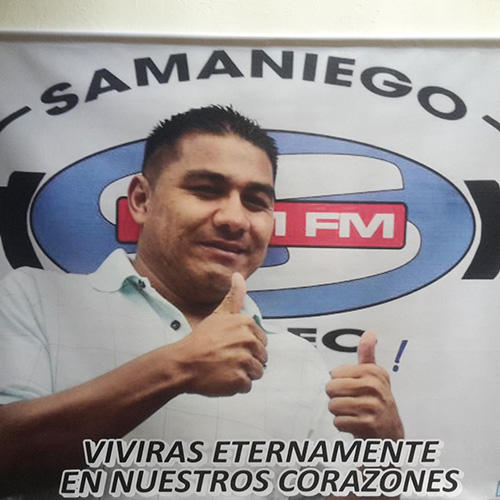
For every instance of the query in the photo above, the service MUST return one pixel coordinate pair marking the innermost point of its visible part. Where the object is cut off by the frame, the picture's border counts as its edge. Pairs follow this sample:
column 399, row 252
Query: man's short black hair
column 217, row 120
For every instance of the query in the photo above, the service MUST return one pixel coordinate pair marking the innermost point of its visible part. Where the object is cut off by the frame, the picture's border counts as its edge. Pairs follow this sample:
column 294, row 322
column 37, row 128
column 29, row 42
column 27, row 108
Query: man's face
column 210, row 213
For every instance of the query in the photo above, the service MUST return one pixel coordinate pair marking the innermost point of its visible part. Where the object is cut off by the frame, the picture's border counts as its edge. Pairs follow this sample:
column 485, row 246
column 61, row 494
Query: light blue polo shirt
column 59, row 330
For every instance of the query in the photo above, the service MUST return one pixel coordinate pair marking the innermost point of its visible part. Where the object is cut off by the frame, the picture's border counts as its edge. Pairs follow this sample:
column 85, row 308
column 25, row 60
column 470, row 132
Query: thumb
column 366, row 347
column 233, row 301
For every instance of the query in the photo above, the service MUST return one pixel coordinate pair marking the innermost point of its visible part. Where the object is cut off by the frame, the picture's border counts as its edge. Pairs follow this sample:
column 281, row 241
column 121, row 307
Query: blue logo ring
column 69, row 227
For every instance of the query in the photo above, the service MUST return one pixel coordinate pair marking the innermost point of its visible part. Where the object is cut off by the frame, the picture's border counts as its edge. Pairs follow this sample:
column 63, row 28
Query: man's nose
column 231, row 215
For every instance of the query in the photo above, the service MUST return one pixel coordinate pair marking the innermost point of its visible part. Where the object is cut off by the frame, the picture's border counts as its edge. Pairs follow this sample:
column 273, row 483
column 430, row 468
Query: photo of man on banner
column 168, row 345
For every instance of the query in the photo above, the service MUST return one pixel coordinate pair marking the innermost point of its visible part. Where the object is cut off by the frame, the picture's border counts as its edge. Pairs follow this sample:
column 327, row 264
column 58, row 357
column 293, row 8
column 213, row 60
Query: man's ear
column 139, row 195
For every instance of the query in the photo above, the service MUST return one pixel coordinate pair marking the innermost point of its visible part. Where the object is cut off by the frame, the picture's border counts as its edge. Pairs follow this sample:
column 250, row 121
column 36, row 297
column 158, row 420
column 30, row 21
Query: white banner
column 387, row 199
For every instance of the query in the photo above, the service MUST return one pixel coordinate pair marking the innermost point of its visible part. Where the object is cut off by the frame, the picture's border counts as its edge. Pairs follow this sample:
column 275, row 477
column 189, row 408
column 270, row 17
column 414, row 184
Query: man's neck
column 193, row 311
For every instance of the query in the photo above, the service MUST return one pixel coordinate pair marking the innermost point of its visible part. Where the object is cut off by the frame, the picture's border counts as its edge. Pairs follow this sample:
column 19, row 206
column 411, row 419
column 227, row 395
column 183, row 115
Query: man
column 135, row 348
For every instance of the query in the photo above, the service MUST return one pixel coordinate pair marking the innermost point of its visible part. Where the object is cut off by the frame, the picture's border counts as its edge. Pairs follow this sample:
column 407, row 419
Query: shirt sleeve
column 25, row 368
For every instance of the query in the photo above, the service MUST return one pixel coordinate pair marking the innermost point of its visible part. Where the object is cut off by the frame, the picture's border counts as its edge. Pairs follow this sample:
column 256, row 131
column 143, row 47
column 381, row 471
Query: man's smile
column 225, row 246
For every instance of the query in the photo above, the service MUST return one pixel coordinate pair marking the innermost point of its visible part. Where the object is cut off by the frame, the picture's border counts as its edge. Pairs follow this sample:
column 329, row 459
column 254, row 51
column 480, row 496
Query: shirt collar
column 115, row 272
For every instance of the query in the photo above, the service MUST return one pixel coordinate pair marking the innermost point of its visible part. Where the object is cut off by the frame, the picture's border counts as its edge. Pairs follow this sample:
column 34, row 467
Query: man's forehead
column 227, row 155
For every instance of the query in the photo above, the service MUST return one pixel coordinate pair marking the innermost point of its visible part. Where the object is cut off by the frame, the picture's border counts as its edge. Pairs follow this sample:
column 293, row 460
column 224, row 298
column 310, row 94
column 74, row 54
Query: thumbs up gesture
column 233, row 301
column 361, row 397
column 226, row 351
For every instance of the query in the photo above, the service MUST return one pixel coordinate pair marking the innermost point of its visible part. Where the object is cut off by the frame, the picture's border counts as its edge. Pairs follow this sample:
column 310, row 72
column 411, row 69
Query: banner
column 387, row 198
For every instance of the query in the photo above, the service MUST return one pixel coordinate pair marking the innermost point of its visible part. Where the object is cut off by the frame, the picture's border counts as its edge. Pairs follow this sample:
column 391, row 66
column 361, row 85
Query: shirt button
column 175, row 324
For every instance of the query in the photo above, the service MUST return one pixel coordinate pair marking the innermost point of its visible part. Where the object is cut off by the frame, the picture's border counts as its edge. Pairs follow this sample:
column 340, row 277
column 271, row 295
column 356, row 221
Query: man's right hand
column 225, row 351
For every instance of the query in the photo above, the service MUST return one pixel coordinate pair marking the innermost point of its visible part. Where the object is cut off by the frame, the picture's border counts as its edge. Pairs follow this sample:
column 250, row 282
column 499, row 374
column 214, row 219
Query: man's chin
column 220, row 283
column 211, row 286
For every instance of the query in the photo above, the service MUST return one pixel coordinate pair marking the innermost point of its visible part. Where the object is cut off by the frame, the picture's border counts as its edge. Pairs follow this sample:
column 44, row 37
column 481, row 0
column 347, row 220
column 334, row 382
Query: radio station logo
column 417, row 228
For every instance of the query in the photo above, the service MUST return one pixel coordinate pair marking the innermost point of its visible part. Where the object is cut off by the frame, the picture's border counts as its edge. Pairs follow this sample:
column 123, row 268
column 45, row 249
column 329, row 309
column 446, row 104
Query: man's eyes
column 252, row 201
column 207, row 190
column 257, row 202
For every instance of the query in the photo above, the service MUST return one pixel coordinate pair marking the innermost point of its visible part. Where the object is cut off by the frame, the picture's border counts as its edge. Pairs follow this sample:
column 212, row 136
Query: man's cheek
column 269, row 232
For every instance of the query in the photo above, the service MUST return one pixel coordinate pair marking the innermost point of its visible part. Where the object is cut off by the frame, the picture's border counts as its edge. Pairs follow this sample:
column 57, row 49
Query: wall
column 313, row 18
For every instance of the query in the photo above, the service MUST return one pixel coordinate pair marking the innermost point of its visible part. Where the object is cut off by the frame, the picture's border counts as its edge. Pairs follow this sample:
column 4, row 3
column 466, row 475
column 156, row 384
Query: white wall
column 317, row 18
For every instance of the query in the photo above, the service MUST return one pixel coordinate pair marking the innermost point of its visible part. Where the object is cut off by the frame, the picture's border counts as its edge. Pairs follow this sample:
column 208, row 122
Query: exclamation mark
column 395, row 368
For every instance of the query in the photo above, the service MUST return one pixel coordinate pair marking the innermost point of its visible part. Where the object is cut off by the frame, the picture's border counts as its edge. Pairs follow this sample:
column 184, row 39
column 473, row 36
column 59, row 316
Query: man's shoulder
column 29, row 278
column 33, row 291
column 33, row 278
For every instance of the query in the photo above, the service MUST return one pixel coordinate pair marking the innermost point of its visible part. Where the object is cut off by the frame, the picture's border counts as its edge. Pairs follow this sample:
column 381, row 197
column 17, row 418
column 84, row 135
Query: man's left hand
column 361, row 397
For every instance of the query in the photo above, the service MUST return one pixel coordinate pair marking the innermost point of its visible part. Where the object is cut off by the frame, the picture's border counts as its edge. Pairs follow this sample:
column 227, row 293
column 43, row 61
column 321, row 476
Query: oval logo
column 415, row 222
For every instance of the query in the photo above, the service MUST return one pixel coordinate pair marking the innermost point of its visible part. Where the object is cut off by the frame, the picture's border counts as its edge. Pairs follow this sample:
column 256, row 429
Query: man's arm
column 41, row 437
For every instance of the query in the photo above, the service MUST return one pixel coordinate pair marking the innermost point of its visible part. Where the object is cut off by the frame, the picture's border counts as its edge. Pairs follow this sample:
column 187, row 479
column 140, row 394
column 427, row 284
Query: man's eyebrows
column 204, row 175
column 208, row 175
